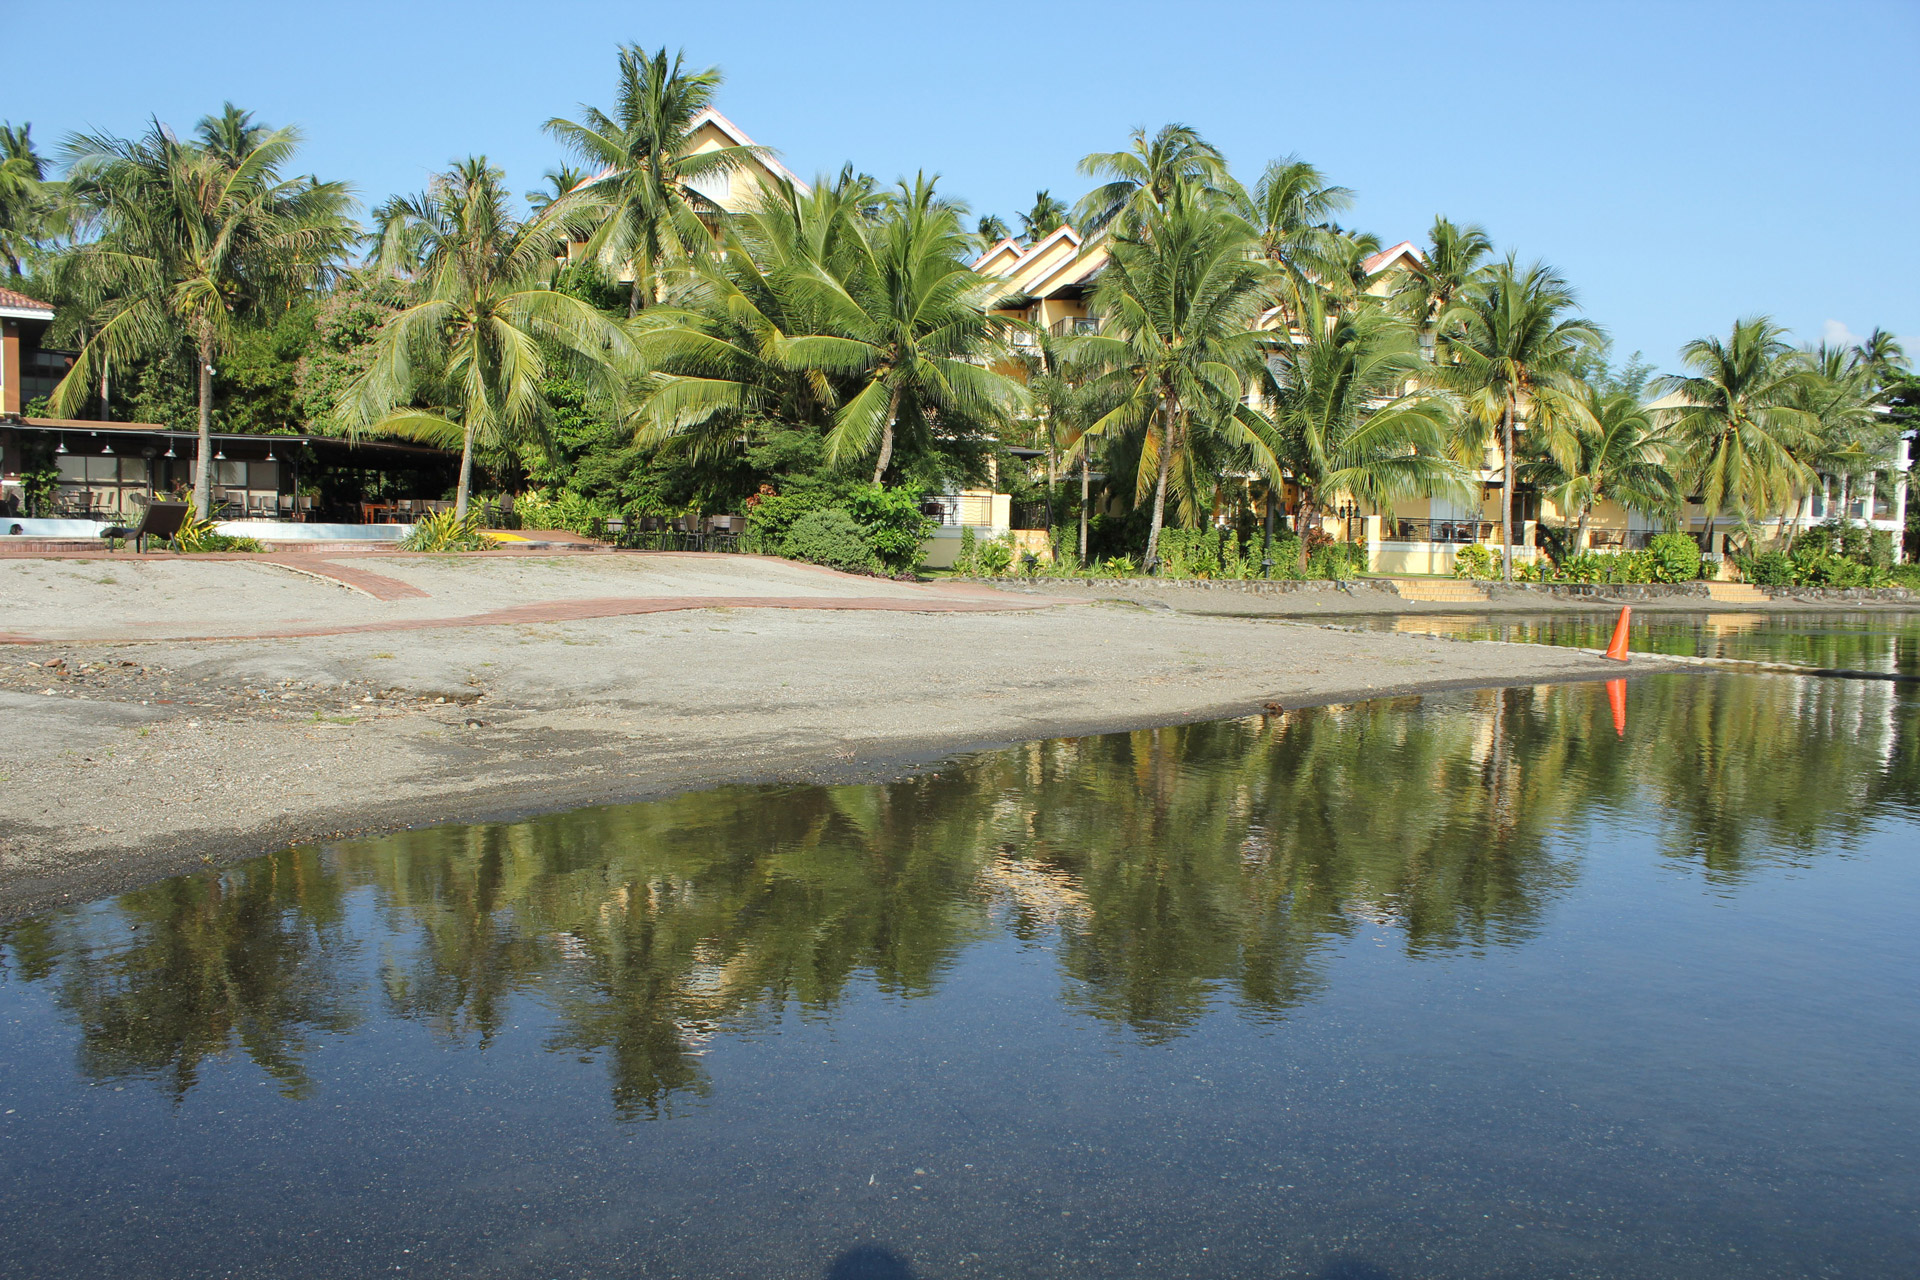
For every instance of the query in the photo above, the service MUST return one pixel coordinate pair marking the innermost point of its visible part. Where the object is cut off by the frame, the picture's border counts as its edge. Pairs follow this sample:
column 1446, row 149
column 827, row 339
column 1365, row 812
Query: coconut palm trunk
column 1084, row 490
column 466, row 473
column 1506, row 494
column 202, row 466
column 885, row 459
column 1160, row 487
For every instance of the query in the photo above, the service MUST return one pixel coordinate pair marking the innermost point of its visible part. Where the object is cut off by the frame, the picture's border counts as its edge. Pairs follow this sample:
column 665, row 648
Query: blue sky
column 1682, row 163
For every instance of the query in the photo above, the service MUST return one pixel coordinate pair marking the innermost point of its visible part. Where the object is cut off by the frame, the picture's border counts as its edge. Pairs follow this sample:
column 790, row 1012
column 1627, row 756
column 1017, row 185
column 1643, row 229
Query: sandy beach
column 164, row 714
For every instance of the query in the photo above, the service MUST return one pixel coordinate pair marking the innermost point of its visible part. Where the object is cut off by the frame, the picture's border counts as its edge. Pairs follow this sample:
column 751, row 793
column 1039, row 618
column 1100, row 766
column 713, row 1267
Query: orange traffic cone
column 1617, row 699
column 1618, row 649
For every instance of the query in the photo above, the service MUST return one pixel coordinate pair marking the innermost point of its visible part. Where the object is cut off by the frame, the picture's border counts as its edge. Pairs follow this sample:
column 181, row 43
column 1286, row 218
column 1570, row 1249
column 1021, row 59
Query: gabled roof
column 739, row 138
column 1406, row 250
column 18, row 306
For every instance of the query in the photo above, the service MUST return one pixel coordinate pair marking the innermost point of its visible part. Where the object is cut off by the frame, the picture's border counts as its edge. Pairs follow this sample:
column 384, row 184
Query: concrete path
column 117, row 598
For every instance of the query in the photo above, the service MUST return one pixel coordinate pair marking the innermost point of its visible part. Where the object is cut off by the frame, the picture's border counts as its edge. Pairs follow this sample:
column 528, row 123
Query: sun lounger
column 160, row 520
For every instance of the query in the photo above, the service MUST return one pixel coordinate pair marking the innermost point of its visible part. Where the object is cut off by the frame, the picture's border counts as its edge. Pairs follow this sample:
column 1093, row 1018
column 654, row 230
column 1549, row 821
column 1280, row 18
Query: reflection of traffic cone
column 1617, row 699
column 1618, row 649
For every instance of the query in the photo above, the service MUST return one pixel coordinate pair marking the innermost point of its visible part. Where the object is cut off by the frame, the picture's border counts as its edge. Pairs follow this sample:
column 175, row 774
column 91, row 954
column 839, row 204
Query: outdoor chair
column 160, row 520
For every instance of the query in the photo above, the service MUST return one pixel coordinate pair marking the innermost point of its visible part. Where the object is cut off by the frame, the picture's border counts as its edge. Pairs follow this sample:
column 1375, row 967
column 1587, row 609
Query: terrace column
column 1902, row 467
column 9, row 366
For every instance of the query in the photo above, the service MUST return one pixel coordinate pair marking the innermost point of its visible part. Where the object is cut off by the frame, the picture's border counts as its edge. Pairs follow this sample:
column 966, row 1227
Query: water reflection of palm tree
column 1169, row 870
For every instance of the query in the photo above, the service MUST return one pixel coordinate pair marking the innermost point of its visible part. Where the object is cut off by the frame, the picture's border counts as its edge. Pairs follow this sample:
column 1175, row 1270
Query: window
column 231, row 475
column 73, row 469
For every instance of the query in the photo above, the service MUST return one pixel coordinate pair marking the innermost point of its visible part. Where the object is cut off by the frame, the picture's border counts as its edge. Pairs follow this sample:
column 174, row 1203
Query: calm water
column 1468, row 986
column 1884, row 642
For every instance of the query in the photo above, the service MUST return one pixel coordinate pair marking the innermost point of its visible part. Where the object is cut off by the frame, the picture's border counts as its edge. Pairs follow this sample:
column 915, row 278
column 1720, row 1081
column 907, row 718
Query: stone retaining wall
column 1254, row 586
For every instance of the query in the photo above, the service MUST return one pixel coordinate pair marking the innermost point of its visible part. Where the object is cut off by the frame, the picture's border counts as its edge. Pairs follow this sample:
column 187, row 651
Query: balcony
column 1074, row 326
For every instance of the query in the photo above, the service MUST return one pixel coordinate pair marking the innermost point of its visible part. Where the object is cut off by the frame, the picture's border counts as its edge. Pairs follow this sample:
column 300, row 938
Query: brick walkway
column 377, row 585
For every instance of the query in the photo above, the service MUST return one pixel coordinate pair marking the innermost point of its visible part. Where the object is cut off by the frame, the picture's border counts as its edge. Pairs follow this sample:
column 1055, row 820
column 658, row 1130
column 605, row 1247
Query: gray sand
column 129, row 760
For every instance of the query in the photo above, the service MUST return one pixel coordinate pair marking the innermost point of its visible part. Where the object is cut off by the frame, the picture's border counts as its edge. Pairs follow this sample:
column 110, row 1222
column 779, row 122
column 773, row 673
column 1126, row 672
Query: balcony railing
column 1074, row 326
column 1454, row 531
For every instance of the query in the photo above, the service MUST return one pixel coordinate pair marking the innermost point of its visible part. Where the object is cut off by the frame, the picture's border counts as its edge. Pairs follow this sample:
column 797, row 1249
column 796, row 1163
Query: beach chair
column 160, row 520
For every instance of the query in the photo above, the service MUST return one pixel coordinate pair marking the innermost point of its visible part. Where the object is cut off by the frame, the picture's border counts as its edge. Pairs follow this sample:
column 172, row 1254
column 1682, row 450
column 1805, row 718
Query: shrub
column 198, row 535
column 1676, row 557
column 967, row 562
column 1337, row 560
column 1904, row 575
column 444, row 531
column 993, row 558
column 563, row 510
column 770, row 519
column 1473, row 561
column 895, row 526
column 1118, row 567
column 1767, row 569
column 832, row 537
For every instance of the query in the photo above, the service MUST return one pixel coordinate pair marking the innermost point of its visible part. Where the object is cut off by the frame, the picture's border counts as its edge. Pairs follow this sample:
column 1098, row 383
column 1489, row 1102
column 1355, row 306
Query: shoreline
column 105, row 871
column 257, row 745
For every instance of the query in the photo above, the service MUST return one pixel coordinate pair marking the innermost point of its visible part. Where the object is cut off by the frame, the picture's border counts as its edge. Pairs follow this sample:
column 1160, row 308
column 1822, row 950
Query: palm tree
column 1454, row 260
column 1510, row 342
column 1739, row 423
column 647, row 188
column 991, row 230
column 466, row 363
column 906, row 323
column 195, row 240
column 1046, row 217
column 1343, row 422
column 875, row 329
column 25, row 206
column 1851, row 437
column 1615, row 450
column 562, row 181
column 1143, row 177
column 1183, row 289
column 1291, row 210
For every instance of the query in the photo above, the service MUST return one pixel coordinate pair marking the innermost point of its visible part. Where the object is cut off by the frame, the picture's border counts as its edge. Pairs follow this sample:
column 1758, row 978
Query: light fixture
column 109, row 449
column 219, row 455
column 63, row 445
column 170, row 446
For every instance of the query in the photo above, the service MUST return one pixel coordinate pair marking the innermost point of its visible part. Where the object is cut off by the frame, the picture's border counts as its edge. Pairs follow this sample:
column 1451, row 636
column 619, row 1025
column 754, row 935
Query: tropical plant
column 1144, row 177
column 1852, row 438
column 829, row 536
column 1454, row 260
column 1347, row 418
column 562, row 181
column 876, row 328
column 198, row 534
column 1473, row 561
column 466, row 364
column 1181, row 295
column 646, row 190
column 1614, row 451
column 196, row 241
column 446, row 531
column 1291, row 209
column 28, row 211
column 1675, row 557
column 990, row 230
column 1740, row 423
column 1508, row 342
column 1045, row 217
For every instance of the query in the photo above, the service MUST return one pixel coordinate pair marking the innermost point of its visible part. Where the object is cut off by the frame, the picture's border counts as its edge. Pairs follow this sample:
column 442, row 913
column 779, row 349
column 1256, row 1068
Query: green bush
column 831, row 537
column 1118, row 567
column 1473, row 561
column 197, row 535
column 1338, row 560
column 994, row 558
column 1767, row 569
column 1676, row 557
column 967, row 562
column 1904, row 575
column 562, row 510
column 770, row 519
column 895, row 526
